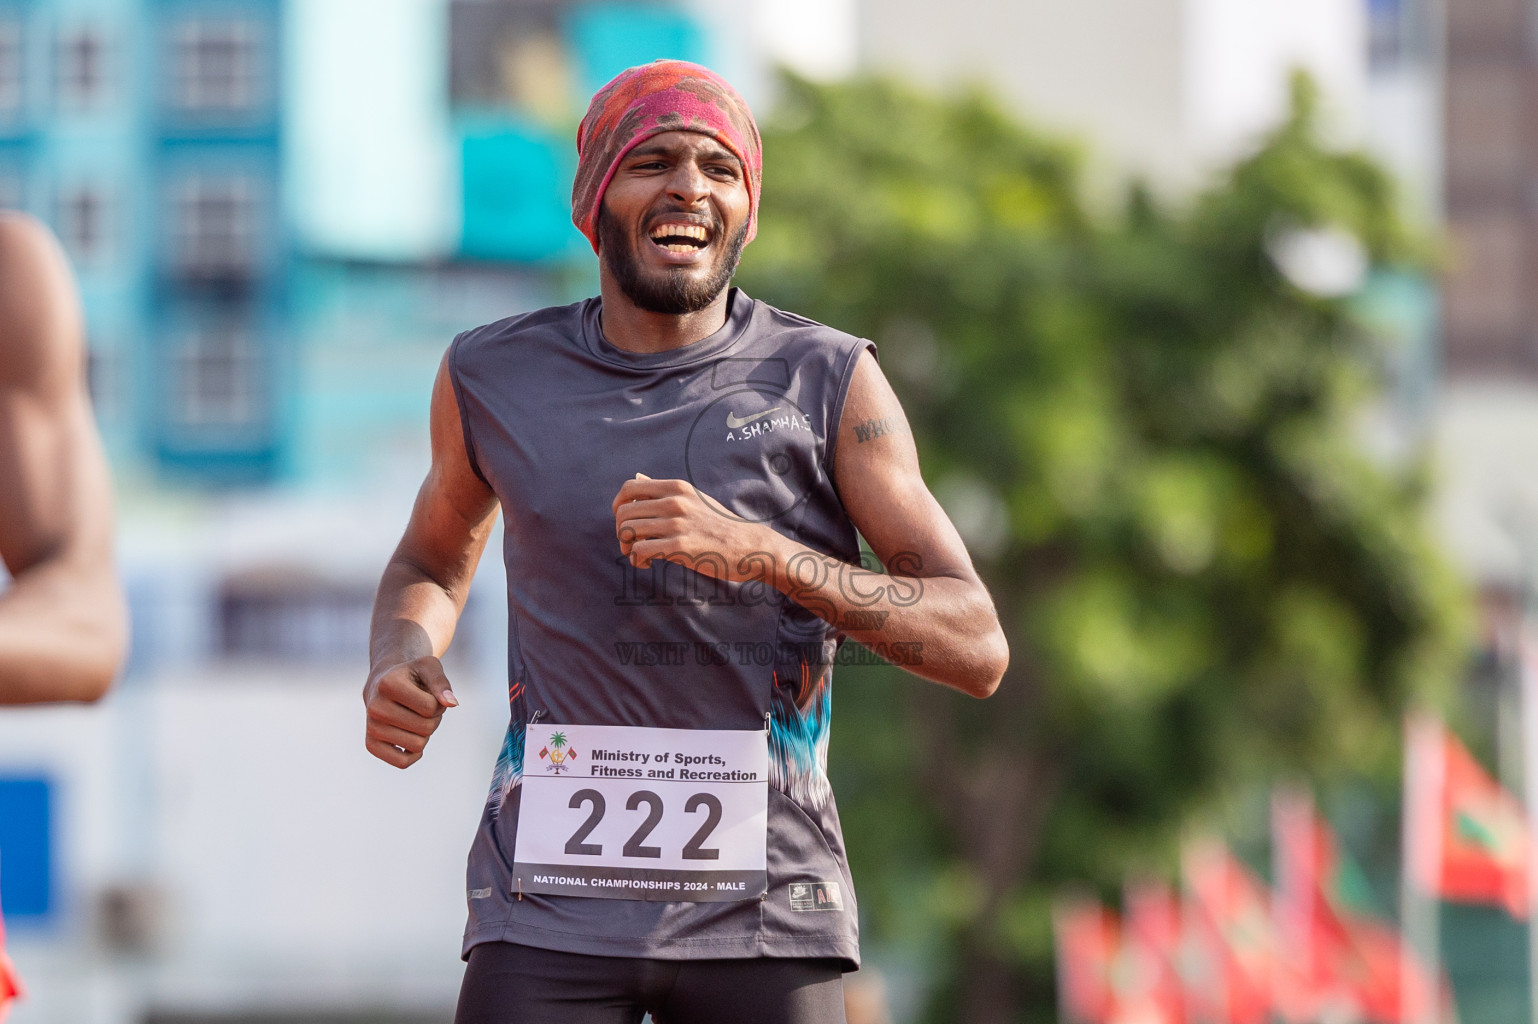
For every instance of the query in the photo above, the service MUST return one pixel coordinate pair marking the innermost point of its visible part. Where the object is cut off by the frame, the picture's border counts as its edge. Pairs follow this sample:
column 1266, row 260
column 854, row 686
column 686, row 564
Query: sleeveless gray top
column 555, row 419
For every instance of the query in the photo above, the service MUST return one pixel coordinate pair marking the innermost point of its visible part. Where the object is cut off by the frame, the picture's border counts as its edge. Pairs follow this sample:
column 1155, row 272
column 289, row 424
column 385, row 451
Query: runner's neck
column 629, row 327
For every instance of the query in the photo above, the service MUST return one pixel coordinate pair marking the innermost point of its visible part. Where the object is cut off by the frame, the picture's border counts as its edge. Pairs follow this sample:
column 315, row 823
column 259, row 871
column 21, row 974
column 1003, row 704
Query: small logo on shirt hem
column 813, row 896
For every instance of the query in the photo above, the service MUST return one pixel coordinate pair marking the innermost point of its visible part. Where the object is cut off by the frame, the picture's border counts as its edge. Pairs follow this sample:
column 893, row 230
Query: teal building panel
column 517, row 194
column 607, row 38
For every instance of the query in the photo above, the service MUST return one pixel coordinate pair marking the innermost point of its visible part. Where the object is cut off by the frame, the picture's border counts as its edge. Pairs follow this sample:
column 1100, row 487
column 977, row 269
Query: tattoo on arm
column 874, row 428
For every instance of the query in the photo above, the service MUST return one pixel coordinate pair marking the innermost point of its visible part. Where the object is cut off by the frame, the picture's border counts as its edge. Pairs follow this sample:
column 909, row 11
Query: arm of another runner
column 423, row 590
column 63, row 622
column 929, row 612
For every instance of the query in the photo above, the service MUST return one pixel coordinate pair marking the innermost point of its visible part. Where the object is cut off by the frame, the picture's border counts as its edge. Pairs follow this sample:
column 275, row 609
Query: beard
column 674, row 292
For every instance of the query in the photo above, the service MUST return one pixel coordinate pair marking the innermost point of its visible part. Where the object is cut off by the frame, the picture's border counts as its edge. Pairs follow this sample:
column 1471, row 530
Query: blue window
column 26, row 847
column 81, row 64
column 1387, row 38
column 12, row 195
column 217, row 65
column 12, row 76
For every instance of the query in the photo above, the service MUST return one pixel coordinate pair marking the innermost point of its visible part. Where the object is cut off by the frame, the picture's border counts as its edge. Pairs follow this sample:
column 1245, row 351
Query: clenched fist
column 405, row 703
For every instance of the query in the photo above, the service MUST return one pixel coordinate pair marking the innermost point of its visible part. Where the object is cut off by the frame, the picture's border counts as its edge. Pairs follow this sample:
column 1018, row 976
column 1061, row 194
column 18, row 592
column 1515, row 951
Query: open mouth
column 680, row 238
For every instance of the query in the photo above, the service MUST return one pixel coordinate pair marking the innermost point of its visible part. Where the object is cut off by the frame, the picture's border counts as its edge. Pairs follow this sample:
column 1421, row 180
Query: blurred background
column 1217, row 321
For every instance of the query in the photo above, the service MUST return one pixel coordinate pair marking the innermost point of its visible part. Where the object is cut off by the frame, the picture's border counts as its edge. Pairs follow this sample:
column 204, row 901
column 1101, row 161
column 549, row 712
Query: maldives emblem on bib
column 645, row 814
column 559, row 752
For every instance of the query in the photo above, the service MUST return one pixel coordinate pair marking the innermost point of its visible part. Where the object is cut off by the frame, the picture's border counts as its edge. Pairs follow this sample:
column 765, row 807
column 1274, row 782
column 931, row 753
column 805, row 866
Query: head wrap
column 663, row 96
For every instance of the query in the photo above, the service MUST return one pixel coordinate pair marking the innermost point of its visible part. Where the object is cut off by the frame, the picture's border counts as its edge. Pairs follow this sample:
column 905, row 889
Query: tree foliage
column 1148, row 436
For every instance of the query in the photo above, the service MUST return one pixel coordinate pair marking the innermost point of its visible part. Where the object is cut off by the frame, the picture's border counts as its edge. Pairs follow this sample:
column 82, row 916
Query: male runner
column 681, row 472
column 63, row 625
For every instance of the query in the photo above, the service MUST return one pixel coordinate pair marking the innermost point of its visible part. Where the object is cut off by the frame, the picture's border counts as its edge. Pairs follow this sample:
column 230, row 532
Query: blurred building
column 1488, row 414
column 148, row 135
column 1487, row 408
column 1166, row 89
column 1492, row 167
column 221, row 260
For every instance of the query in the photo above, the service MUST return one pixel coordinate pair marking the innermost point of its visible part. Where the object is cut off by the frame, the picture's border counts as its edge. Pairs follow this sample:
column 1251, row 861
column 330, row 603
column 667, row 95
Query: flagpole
column 1527, row 687
column 1059, row 957
column 1292, row 903
column 1527, row 673
column 1420, row 847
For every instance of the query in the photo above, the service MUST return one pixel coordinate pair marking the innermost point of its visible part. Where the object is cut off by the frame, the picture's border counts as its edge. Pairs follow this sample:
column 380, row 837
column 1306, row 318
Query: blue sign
column 26, row 848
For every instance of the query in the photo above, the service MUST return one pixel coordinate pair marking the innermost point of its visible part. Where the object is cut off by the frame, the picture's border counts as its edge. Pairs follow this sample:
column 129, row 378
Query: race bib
column 643, row 814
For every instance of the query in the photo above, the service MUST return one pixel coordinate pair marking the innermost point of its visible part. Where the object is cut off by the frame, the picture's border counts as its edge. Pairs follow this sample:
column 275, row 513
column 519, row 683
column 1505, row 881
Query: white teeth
column 680, row 231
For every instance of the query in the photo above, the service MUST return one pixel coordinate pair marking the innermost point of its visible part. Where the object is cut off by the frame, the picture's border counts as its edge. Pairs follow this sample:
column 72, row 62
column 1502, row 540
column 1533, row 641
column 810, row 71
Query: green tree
column 1147, row 434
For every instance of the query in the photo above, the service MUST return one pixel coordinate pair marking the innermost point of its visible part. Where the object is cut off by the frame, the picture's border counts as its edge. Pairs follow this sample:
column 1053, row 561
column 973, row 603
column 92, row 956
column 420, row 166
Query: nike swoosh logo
column 732, row 422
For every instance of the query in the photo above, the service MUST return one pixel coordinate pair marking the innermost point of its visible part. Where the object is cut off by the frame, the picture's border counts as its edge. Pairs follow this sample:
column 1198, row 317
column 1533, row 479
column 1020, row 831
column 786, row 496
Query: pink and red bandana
column 663, row 96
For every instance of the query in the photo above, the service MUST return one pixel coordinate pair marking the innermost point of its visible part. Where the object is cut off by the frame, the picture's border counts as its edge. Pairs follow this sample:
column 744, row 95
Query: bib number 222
column 694, row 849
column 614, row 812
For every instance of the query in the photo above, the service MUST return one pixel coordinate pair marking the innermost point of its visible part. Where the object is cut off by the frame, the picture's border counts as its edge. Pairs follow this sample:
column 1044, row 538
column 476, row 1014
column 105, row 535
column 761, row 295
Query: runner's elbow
column 99, row 657
column 992, row 662
column 90, row 683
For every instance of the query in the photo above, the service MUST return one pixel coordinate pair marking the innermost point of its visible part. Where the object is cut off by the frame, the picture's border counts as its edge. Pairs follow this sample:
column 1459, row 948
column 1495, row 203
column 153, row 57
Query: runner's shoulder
column 804, row 333
column 22, row 232
column 40, row 330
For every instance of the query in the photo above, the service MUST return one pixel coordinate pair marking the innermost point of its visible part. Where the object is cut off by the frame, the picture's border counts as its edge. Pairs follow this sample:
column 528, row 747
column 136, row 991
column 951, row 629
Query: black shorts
column 511, row 984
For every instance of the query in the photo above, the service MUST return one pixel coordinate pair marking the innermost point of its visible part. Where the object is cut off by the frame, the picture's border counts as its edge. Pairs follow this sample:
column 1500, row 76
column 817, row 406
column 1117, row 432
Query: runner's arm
column 423, row 591
column 934, row 604
column 928, row 612
column 63, row 620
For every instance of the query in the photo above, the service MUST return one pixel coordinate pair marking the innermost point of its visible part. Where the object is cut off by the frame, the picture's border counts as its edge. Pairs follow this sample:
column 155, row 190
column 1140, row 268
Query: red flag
column 1334, row 957
column 1305, row 946
column 1469, row 837
column 1085, row 934
column 1148, row 983
column 1229, row 937
column 10, row 983
column 1391, row 988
